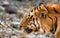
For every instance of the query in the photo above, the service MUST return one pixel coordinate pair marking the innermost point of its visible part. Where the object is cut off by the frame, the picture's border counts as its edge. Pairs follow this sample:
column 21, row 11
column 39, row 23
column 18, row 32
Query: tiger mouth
column 28, row 30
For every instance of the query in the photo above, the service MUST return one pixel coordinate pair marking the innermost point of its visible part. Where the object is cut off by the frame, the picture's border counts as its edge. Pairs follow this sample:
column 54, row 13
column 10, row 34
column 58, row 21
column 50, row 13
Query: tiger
column 49, row 17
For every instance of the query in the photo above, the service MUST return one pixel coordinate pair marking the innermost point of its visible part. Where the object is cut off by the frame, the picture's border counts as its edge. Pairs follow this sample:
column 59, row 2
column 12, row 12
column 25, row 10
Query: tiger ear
column 46, row 8
column 40, row 4
column 43, row 15
column 44, row 11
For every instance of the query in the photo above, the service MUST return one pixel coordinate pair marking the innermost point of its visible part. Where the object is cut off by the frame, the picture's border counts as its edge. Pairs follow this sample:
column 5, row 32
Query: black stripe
column 30, row 17
column 35, row 8
column 56, row 11
column 37, row 28
column 32, row 10
column 54, row 27
column 46, row 8
column 50, row 17
column 38, row 23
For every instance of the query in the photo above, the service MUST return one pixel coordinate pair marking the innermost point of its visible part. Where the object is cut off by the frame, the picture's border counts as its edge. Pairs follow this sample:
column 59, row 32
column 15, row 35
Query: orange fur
column 52, row 12
column 48, row 17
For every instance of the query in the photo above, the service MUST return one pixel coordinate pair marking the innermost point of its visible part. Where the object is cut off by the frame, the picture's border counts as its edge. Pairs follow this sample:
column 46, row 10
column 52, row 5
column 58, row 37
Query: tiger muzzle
column 28, row 30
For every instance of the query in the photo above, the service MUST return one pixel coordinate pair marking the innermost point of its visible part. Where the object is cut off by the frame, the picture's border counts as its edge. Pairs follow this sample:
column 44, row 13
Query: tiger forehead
column 43, row 8
column 36, row 8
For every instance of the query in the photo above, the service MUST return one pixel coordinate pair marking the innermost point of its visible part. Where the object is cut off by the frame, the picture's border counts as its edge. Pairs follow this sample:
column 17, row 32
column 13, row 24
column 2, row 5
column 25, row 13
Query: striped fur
column 47, row 16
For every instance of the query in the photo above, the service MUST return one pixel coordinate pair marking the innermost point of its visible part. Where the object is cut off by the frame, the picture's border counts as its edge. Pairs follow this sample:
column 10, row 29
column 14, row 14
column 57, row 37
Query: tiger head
column 38, row 12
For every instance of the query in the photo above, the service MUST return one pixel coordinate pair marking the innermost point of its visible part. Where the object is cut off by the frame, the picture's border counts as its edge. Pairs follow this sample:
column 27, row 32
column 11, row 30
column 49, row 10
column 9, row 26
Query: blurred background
column 11, row 14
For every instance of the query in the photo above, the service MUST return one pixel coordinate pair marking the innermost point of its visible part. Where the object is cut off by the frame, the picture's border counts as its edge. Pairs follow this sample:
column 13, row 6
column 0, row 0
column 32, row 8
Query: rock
column 30, row 35
column 2, row 8
column 19, row 0
column 11, row 10
column 5, row 3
